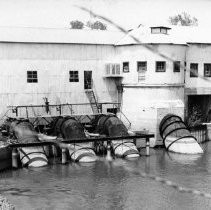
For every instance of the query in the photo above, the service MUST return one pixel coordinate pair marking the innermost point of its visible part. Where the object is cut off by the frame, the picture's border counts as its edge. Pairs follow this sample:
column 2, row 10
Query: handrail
column 19, row 107
column 5, row 114
column 72, row 141
column 124, row 117
column 56, row 105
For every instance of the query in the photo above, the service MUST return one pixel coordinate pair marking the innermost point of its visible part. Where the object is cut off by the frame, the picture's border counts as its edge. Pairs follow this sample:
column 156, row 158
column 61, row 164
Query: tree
column 195, row 116
column 97, row 25
column 76, row 24
column 183, row 19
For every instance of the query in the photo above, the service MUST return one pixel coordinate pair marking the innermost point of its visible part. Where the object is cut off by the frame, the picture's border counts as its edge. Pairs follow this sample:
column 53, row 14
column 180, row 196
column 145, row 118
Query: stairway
column 93, row 102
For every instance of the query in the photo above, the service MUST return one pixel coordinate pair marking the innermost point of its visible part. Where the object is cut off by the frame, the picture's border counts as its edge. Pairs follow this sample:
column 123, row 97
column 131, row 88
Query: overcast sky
column 127, row 13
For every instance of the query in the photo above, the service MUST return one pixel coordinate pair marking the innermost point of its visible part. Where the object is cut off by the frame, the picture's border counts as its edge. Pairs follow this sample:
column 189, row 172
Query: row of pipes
column 175, row 134
column 68, row 128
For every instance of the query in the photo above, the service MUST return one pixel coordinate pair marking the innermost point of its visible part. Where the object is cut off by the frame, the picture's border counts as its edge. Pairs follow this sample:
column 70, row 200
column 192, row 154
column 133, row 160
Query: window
column 73, row 76
column 141, row 66
column 160, row 66
column 160, row 30
column 125, row 66
column 112, row 110
column 194, row 70
column 32, row 77
column 176, row 66
column 207, row 69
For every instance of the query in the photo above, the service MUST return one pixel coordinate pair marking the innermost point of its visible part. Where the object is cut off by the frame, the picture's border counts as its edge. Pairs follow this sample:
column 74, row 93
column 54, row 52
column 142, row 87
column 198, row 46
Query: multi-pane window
column 176, row 66
column 207, row 69
column 73, row 76
column 125, row 66
column 194, row 70
column 32, row 77
column 141, row 66
column 160, row 66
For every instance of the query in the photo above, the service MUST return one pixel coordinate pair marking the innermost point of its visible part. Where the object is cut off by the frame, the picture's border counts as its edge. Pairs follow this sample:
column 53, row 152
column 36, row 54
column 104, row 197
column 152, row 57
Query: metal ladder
column 93, row 102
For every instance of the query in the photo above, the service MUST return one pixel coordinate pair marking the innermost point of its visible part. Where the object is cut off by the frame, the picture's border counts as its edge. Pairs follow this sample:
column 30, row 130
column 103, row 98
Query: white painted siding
column 135, row 53
column 198, row 53
column 53, row 63
column 145, row 107
column 140, row 104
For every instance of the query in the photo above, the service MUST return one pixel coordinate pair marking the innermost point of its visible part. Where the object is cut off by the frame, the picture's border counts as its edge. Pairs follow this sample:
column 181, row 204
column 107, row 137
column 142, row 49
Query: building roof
column 141, row 35
column 196, row 34
column 177, row 35
column 160, row 27
column 64, row 35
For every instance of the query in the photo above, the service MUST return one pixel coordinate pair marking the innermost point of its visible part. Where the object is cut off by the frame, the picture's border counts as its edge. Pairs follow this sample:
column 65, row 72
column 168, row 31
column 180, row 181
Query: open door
column 87, row 80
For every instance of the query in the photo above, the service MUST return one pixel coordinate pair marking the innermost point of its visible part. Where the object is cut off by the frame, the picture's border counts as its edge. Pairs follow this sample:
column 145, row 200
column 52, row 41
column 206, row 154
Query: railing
column 27, row 111
column 122, row 116
column 199, row 132
column 63, row 144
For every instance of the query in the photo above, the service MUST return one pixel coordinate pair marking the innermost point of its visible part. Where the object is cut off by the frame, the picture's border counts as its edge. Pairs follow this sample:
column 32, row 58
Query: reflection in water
column 184, row 159
column 115, row 184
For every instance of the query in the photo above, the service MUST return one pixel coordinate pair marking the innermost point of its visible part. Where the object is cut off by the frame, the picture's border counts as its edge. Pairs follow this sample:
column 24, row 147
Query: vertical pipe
column 200, row 136
column 47, row 150
column 71, row 109
column 14, row 158
column 108, row 156
column 27, row 114
column 134, row 141
column 147, row 146
column 54, row 150
column 64, row 156
column 60, row 109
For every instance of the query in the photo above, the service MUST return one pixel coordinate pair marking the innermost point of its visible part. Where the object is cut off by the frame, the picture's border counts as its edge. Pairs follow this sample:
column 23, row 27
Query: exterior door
column 87, row 80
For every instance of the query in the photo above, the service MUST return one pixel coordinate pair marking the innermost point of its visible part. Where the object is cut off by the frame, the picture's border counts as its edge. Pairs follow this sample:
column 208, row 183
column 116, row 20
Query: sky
column 126, row 13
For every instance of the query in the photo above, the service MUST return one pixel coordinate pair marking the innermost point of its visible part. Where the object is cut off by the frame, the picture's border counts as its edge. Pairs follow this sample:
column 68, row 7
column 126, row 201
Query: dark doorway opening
column 199, row 109
column 87, row 80
column 112, row 110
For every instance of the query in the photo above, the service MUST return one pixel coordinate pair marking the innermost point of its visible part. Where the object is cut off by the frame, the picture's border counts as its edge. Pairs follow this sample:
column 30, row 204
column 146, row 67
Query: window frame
column 143, row 62
column 156, row 66
column 123, row 66
column 32, row 76
column 73, row 76
column 207, row 64
column 193, row 74
column 176, row 64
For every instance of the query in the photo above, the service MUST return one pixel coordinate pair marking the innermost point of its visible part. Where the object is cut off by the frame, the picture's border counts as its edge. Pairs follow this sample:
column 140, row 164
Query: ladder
column 93, row 102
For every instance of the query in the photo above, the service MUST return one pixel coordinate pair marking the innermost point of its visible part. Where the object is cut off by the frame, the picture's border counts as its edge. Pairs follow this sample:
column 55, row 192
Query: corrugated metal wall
column 53, row 63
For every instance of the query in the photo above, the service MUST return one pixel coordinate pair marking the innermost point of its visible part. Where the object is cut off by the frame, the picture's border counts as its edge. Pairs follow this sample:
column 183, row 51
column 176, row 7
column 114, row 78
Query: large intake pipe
column 69, row 128
column 24, row 132
column 112, row 126
column 176, row 137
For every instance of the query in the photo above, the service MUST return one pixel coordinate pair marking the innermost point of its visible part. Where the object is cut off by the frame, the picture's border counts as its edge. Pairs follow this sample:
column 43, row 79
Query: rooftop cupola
column 159, row 30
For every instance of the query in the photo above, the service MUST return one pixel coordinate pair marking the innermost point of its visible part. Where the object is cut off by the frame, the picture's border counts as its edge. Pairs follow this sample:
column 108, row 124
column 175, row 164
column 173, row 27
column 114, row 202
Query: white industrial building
column 147, row 70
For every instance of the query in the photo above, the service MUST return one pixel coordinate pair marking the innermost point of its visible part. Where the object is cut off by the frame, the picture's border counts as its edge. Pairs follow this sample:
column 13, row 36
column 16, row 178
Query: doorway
column 87, row 80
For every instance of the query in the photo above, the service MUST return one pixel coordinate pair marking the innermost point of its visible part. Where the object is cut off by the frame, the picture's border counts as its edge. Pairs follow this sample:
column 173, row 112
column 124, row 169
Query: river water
column 113, row 185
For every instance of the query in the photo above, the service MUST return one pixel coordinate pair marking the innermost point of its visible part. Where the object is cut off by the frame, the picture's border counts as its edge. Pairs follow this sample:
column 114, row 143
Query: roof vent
column 159, row 30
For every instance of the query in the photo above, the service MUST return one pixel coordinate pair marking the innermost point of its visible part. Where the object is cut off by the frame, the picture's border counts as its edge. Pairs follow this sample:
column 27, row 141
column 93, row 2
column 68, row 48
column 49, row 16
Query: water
column 112, row 185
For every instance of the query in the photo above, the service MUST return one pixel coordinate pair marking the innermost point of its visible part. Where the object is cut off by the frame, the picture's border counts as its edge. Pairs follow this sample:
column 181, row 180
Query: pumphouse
column 141, row 75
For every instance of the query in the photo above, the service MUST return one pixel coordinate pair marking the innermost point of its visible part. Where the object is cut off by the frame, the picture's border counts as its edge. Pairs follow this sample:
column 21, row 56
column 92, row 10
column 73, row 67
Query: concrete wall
column 146, row 106
column 53, row 63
